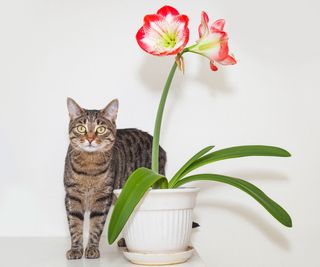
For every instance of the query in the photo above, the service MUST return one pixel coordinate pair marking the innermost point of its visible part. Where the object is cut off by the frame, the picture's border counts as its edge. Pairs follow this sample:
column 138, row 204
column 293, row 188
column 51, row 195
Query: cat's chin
column 90, row 148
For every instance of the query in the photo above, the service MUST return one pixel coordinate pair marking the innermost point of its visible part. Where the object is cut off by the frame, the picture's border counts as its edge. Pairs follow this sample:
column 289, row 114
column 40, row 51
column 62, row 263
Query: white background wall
column 87, row 50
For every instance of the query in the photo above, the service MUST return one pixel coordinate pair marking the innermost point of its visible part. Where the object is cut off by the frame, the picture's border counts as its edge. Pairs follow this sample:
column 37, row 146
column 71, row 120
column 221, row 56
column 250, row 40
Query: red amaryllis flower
column 213, row 43
column 164, row 33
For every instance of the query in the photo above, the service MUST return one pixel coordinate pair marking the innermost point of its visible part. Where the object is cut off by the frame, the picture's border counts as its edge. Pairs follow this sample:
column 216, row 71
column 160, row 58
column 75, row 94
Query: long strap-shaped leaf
column 237, row 152
column 176, row 177
column 272, row 207
column 134, row 189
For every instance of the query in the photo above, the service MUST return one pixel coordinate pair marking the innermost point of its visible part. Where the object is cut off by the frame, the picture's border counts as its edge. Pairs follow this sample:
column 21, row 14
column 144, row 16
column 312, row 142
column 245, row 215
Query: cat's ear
column 74, row 109
column 110, row 112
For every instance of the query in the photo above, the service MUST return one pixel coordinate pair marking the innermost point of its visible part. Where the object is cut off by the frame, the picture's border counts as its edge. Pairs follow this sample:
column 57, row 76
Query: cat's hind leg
column 121, row 243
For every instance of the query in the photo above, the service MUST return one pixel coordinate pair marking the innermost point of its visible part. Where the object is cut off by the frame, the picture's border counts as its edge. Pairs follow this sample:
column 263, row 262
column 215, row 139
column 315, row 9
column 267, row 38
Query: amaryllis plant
column 166, row 33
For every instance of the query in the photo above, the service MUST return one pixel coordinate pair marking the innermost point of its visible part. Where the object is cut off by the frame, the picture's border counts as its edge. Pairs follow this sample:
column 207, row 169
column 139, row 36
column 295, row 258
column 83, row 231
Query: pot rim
column 169, row 190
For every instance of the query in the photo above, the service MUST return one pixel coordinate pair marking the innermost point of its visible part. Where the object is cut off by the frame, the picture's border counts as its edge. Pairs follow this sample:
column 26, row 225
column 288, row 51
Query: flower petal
column 224, row 50
column 213, row 43
column 182, row 29
column 151, row 18
column 229, row 60
column 213, row 67
column 164, row 33
column 218, row 25
column 182, row 19
column 140, row 36
column 203, row 27
column 213, row 46
column 168, row 11
column 160, row 37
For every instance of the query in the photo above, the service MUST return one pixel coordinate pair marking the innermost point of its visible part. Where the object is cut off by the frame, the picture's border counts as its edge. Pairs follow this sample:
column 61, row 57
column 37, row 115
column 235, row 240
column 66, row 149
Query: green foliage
column 272, row 207
column 142, row 179
column 176, row 177
column 237, row 152
column 136, row 186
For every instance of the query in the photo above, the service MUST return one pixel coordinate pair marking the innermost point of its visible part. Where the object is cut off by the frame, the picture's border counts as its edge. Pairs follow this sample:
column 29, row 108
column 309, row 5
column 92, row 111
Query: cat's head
column 92, row 130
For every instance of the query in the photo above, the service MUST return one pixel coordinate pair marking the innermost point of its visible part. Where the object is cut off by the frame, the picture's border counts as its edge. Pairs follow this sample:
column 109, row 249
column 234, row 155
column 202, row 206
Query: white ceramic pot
column 162, row 222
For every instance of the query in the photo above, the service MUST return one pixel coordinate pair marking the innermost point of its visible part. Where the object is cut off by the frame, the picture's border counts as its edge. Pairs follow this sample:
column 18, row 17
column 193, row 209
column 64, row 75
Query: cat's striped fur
column 97, row 163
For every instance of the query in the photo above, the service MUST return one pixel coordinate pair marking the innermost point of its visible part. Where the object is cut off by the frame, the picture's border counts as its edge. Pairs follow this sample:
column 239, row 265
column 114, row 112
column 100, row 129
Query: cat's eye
column 81, row 129
column 101, row 130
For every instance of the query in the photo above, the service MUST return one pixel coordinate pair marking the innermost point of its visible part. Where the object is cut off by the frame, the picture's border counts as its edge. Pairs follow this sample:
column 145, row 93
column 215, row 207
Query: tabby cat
column 99, row 159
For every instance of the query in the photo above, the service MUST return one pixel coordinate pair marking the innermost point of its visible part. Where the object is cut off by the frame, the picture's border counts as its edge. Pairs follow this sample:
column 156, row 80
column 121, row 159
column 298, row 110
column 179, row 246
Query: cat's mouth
column 90, row 147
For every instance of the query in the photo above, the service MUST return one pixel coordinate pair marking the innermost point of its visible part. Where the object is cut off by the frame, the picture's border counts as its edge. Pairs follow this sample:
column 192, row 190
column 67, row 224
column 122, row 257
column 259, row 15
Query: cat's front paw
column 92, row 253
column 74, row 254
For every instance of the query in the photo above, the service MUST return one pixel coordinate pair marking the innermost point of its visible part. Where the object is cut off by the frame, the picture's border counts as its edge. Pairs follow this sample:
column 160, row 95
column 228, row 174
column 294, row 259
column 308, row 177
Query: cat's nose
column 90, row 138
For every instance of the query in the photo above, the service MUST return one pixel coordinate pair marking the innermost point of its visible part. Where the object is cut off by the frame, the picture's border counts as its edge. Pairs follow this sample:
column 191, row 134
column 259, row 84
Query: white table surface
column 50, row 252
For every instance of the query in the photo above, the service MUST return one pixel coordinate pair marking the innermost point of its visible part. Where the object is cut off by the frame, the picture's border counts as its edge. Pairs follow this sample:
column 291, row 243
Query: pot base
column 158, row 258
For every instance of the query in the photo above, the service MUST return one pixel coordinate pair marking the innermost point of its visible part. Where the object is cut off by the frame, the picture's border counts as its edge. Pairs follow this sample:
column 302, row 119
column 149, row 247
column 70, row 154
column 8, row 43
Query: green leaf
column 134, row 189
column 237, row 152
column 176, row 177
column 271, row 206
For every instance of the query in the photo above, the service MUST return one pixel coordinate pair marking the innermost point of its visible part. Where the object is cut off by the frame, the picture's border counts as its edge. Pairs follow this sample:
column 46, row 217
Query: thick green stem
column 157, row 126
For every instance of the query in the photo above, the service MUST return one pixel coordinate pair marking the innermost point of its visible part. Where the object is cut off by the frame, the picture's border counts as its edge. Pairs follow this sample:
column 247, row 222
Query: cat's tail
column 195, row 225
